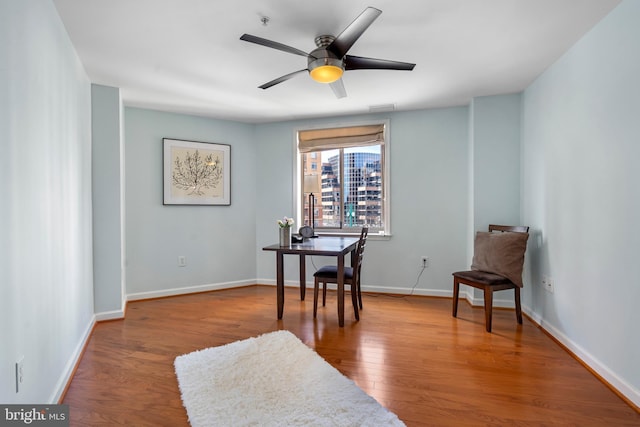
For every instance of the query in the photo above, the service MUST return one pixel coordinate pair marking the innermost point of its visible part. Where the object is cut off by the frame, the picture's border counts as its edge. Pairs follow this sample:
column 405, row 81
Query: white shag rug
column 272, row 380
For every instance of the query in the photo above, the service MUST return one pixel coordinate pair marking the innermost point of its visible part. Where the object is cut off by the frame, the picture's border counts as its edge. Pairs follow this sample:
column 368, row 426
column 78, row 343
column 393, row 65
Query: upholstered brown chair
column 498, row 259
column 329, row 274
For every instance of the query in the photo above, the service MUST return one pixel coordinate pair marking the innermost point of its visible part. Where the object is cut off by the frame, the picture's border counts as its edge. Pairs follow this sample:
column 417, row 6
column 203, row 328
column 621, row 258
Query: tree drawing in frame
column 196, row 173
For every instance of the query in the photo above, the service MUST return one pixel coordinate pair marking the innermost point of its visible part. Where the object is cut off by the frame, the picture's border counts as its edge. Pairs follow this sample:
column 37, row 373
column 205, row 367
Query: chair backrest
column 514, row 228
column 360, row 252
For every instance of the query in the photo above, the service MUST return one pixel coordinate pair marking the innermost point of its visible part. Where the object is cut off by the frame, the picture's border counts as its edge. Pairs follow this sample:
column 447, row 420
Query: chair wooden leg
column 456, row 290
column 316, row 285
column 324, row 293
column 488, row 307
column 518, row 308
column 303, row 277
column 359, row 294
column 354, row 300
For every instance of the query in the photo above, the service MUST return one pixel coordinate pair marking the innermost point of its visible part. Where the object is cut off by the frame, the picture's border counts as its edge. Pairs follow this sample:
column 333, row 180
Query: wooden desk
column 323, row 246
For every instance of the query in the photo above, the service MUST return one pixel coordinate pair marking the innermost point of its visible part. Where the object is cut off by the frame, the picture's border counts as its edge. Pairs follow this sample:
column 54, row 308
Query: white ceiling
column 185, row 55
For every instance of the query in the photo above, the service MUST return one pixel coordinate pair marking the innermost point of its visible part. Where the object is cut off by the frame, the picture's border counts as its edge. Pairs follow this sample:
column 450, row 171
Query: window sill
column 370, row 236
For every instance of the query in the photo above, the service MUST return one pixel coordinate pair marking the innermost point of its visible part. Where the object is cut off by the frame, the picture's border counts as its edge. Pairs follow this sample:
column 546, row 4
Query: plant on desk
column 285, row 231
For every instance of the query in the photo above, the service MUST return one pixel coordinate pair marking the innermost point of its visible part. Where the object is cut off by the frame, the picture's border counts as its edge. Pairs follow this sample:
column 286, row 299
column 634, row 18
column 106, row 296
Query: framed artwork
column 196, row 173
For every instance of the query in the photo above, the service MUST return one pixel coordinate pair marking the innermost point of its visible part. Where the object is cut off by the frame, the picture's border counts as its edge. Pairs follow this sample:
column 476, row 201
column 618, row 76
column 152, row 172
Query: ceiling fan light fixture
column 326, row 70
column 326, row 73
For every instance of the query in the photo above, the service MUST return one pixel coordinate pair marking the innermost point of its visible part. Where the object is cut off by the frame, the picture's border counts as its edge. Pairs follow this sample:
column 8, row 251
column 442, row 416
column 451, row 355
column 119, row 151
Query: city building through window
column 344, row 170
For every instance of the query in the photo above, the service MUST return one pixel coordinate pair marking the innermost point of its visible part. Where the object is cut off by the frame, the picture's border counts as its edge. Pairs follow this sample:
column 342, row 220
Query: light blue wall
column 428, row 199
column 496, row 160
column 581, row 146
column 494, row 151
column 46, row 277
column 108, row 201
column 217, row 241
column 223, row 245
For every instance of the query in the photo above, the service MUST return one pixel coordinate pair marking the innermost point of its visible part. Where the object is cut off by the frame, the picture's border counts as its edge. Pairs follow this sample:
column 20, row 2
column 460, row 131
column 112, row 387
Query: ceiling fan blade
column 274, row 45
column 361, row 63
column 349, row 35
column 338, row 89
column 280, row 79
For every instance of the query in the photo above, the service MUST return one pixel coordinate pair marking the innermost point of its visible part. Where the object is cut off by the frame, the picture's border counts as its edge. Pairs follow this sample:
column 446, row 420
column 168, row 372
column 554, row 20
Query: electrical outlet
column 182, row 261
column 19, row 373
column 547, row 283
column 425, row 261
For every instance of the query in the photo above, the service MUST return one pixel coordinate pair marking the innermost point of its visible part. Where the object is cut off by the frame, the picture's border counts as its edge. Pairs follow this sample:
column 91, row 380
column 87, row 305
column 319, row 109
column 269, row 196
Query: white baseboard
column 407, row 291
column 467, row 293
column 189, row 290
column 374, row 289
column 70, row 367
column 114, row 314
column 623, row 387
column 110, row 315
column 287, row 283
column 479, row 302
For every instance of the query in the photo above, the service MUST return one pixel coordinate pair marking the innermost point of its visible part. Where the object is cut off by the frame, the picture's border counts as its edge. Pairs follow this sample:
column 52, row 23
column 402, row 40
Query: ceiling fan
column 329, row 60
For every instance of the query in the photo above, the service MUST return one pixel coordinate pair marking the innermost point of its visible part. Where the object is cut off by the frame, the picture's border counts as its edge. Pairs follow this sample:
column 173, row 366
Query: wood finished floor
column 407, row 352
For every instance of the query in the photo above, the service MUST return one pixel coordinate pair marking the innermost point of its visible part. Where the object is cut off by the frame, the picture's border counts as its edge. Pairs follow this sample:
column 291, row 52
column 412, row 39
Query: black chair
column 329, row 274
column 489, row 280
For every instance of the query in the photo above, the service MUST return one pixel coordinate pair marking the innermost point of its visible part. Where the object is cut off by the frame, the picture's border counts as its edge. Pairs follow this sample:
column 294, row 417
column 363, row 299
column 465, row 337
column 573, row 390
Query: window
column 343, row 174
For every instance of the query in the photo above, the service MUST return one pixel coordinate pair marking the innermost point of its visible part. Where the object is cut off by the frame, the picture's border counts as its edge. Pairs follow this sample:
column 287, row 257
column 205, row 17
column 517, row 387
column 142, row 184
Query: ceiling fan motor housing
column 325, row 66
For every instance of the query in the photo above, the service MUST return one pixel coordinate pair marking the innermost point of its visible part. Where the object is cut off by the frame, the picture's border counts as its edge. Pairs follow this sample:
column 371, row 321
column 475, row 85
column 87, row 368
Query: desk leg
column 280, row 282
column 303, row 277
column 340, row 290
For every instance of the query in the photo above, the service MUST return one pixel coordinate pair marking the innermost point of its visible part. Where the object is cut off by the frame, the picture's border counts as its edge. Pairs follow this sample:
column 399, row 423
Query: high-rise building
column 361, row 190
column 312, row 163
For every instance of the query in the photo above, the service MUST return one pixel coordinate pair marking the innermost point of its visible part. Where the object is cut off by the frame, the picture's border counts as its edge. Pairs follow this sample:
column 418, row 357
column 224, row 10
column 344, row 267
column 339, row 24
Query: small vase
column 285, row 236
